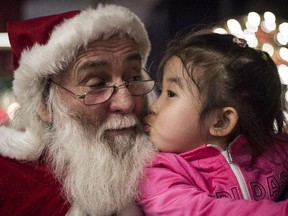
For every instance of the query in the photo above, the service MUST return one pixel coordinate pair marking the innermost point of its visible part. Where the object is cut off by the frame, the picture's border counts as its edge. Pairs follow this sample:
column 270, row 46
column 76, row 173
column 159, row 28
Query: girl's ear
column 224, row 122
column 43, row 113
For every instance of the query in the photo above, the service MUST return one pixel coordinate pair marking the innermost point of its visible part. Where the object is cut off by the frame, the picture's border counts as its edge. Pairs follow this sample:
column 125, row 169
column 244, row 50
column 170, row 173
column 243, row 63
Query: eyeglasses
column 103, row 94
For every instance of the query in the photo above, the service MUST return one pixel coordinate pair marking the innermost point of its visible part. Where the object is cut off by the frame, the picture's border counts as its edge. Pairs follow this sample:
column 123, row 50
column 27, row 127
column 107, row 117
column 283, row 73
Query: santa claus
column 75, row 145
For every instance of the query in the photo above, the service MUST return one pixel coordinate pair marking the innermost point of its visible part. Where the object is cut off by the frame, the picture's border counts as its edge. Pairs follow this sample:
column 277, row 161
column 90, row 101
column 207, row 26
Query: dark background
column 162, row 17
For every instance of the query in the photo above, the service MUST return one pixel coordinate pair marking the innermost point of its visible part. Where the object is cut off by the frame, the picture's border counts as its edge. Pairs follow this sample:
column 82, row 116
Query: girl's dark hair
column 227, row 73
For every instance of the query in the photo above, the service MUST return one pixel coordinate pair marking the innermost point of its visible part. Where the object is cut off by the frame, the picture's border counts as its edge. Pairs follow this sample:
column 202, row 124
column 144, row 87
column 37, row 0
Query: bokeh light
column 264, row 32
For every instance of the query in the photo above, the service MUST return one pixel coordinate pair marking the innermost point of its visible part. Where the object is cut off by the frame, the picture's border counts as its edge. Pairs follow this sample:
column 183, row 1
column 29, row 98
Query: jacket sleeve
column 166, row 190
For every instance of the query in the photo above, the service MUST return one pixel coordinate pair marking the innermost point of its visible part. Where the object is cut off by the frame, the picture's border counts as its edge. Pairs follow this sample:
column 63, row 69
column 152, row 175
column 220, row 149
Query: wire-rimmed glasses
column 103, row 94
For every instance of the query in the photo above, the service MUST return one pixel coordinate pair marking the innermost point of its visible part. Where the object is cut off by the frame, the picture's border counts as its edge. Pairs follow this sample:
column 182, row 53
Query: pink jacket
column 189, row 183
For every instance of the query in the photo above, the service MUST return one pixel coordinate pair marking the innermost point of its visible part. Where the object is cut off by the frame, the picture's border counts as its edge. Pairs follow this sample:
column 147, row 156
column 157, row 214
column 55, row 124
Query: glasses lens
column 141, row 87
column 98, row 96
column 135, row 88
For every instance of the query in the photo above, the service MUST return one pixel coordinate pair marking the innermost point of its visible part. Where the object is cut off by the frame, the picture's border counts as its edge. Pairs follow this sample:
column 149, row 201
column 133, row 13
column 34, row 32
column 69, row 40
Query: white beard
column 100, row 174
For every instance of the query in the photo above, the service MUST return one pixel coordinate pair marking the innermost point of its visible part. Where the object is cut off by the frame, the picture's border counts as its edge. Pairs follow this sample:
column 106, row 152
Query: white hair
column 100, row 174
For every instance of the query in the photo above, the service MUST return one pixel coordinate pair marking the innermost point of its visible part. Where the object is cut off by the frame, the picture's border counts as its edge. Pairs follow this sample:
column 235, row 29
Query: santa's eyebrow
column 93, row 64
column 133, row 57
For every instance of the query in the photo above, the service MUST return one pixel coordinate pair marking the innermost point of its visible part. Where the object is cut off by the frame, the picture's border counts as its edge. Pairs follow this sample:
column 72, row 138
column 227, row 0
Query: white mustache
column 121, row 122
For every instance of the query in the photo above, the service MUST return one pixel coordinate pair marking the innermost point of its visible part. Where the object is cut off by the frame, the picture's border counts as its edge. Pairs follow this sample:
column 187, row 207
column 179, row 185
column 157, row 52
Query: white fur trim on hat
column 40, row 61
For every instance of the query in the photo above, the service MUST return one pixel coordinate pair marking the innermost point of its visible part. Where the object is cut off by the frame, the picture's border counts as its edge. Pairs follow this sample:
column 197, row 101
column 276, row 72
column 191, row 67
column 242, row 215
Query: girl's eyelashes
column 158, row 88
column 171, row 93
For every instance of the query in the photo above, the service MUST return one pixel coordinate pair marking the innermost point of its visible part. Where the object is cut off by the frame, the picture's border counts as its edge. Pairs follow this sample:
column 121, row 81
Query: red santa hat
column 46, row 45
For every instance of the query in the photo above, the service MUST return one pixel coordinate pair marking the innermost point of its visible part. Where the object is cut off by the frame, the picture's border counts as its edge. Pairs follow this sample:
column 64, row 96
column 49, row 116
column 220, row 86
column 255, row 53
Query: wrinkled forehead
column 112, row 52
column 113, row 45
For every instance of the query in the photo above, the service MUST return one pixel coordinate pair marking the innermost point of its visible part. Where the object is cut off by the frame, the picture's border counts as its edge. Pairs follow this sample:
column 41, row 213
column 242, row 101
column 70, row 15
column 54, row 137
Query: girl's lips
column 146, row 126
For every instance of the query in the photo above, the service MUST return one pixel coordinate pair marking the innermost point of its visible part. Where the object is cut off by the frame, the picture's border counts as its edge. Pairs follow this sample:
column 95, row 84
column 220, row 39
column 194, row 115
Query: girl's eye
column 170, row 93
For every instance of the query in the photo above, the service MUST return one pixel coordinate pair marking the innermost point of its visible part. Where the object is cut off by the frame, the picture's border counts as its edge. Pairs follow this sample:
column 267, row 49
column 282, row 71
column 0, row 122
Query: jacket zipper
column 237, row 172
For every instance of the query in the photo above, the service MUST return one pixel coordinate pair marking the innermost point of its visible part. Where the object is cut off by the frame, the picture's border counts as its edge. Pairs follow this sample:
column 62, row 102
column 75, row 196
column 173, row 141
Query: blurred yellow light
column 282, row 39
column 261, row 32
column 268, row 48
column 250, row 38
column 4, row 41
column 283, row 28
column 269, row 17
column 253, row 19
column 283, row 73
column 251, row 27
column 234, row 27
column 220, row 31
column 283, row 52
column 267, row 26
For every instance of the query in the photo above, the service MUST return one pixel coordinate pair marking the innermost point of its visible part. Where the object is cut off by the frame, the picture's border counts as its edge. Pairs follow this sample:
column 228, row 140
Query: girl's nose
column 153, row 108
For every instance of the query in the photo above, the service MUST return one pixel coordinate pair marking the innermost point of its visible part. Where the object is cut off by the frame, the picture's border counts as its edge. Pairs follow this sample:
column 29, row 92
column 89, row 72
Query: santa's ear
column 224, row 122
column 43, row 113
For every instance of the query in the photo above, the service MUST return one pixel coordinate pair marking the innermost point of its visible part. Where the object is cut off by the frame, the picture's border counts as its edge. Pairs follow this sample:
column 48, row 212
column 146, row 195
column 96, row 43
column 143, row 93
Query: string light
column 283, row 71
column 264, row 32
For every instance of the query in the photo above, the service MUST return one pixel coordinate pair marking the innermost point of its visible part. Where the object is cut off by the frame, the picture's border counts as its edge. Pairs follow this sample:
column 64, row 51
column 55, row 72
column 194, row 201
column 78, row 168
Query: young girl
column 218, row 125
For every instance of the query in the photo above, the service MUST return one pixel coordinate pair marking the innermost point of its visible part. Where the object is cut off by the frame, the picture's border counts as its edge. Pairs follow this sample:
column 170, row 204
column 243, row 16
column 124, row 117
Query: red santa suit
column 29, row 189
